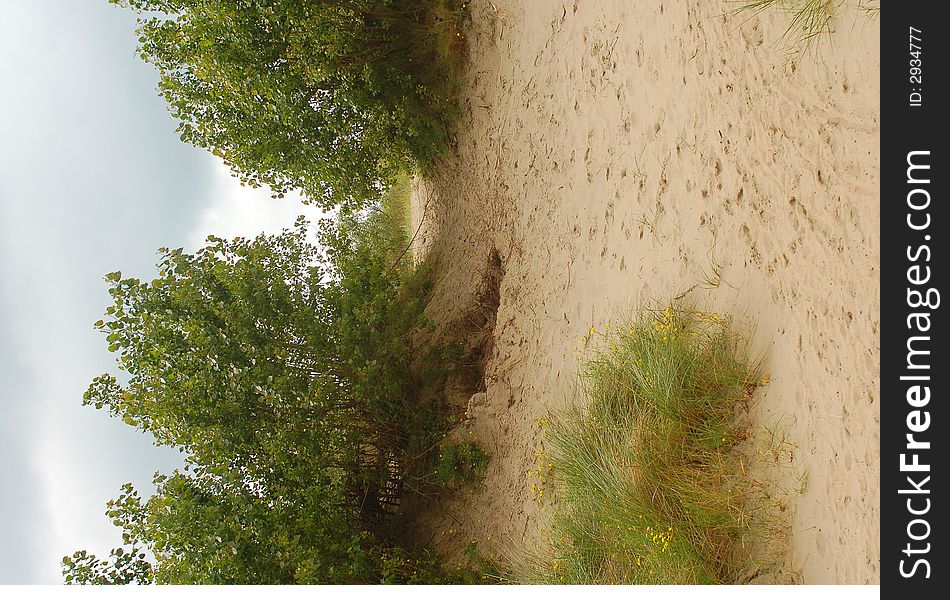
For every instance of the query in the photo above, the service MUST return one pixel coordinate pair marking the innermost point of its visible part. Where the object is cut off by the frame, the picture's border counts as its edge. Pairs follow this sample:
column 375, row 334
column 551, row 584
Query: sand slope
column 618, row 153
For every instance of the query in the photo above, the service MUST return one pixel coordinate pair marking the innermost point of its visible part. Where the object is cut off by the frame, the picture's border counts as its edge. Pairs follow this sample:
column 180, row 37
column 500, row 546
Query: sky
column 93, row 179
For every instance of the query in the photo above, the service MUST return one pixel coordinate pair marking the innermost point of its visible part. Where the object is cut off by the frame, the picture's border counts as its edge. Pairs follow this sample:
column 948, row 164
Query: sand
column 619, row 153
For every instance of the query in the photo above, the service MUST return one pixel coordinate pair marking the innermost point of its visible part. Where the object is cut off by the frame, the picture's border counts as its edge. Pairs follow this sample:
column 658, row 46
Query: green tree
column 283, row 371
column 330, row 96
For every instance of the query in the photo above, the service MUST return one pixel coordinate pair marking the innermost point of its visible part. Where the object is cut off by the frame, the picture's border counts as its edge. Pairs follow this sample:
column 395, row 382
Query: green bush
column 283, row 369
column 459, row 464
column 330, row 96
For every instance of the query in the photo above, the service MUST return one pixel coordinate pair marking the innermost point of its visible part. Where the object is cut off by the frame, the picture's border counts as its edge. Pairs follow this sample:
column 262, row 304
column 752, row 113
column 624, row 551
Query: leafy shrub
column 331, row 96
column 459, row 464
column 284, row 372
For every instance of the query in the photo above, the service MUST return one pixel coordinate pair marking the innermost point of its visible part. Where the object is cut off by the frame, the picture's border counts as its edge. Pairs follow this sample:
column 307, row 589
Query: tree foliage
column 126, row 566
column 283, row 371
column 330, row 96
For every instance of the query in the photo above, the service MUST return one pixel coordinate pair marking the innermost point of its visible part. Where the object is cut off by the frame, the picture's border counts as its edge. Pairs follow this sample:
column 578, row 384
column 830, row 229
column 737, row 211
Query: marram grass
column 651, row 487
column 808, row 20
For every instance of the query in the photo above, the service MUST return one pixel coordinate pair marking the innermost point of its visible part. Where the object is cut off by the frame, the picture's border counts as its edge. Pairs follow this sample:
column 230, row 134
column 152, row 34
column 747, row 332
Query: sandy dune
column 617, row 153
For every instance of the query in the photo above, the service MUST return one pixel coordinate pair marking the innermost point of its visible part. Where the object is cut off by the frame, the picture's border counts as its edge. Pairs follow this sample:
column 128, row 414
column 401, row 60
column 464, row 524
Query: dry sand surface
column 619, row 153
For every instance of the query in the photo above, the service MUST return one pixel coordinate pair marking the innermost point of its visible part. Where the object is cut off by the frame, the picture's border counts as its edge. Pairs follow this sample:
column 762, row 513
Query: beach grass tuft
column 652, row 483
column 808, row 20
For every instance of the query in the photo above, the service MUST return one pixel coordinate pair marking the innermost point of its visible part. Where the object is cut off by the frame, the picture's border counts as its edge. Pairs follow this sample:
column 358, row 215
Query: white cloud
column 239, row 210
